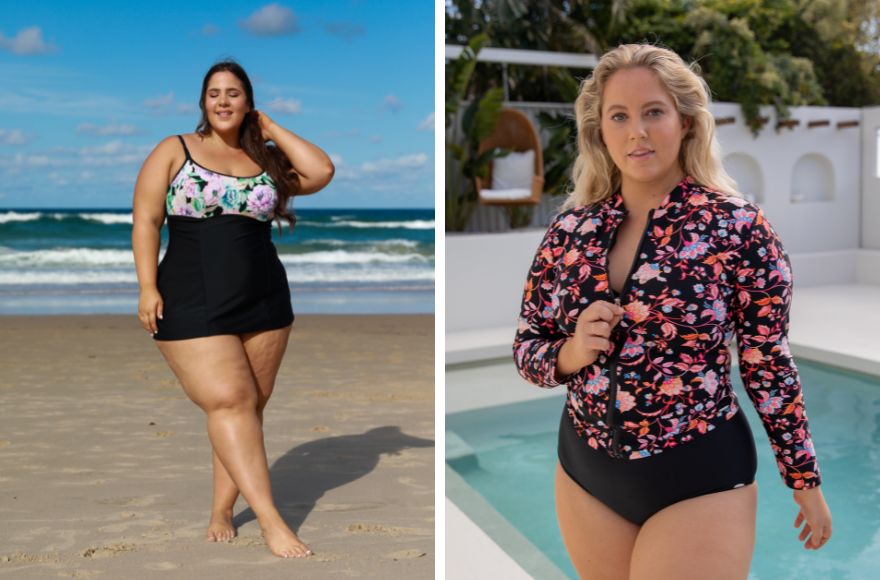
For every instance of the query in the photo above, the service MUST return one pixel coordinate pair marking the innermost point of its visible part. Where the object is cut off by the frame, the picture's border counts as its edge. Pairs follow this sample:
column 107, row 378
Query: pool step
column 459, row 454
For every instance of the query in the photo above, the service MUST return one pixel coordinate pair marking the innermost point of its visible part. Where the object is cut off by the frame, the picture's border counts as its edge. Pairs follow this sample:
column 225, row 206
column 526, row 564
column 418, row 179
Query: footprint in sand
column 361, row 528
column 107, row 551
column 162, row 566
column 405, row 554
column 347, row 507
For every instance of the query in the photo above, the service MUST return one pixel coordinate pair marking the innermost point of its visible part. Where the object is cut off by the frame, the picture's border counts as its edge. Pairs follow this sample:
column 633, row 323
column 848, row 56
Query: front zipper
column 612, row 387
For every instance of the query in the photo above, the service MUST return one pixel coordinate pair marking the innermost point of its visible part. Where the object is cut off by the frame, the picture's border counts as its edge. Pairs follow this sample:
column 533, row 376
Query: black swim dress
column 221, row 273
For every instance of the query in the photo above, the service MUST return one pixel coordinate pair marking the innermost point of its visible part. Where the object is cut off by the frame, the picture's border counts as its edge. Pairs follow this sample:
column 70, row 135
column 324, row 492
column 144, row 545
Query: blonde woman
column 638, row 287
column 218, row 306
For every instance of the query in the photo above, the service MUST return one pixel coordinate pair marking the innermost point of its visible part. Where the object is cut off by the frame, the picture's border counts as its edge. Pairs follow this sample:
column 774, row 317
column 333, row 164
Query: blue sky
column 89, row 88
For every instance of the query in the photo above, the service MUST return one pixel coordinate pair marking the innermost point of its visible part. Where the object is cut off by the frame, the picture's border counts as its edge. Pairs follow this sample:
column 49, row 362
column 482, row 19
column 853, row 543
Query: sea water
column 80, row 261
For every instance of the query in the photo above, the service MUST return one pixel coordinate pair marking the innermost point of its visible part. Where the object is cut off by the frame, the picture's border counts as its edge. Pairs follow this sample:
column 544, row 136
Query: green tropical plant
column 464, row 162
column 561, row 128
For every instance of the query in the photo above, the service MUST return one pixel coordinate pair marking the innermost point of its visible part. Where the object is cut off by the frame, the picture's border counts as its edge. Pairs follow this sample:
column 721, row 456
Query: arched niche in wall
column 746, row 171
column 812, row 179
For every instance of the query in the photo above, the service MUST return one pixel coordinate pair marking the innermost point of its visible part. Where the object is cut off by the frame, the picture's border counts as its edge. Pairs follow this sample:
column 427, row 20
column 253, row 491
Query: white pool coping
column 835, row 325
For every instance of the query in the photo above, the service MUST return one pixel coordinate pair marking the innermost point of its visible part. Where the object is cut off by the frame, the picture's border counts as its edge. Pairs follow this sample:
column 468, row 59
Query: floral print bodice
column 199, row 192
column 709, row 266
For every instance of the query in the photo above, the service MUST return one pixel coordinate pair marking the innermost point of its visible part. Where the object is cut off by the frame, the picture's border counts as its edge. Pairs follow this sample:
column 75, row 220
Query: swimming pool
column 500, row 463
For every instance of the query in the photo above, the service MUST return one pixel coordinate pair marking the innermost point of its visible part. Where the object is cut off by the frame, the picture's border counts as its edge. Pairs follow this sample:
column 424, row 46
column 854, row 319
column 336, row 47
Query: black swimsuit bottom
column 723, row 459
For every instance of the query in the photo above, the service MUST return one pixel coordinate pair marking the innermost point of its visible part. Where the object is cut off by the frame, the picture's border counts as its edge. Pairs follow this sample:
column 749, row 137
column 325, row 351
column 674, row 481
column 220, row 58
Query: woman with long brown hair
column 218, row 305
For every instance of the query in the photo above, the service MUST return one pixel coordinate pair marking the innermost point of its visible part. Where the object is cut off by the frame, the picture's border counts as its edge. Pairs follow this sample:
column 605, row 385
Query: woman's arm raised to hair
column 310, row 162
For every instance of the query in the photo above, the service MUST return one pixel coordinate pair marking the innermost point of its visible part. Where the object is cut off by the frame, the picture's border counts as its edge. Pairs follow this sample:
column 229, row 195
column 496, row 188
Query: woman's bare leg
column 216, row 375
column 709, row 536
column 598, row 540
column 264, row 350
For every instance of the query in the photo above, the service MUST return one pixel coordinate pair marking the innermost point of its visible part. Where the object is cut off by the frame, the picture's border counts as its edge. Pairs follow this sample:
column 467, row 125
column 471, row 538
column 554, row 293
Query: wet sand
column 105, row 465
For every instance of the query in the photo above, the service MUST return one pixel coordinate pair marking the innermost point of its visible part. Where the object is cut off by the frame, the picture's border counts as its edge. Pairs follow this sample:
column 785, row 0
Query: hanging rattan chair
column 516, row 132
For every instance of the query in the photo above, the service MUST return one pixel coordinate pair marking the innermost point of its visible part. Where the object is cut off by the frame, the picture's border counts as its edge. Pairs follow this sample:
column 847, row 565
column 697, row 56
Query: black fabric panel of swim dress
column 221, row 275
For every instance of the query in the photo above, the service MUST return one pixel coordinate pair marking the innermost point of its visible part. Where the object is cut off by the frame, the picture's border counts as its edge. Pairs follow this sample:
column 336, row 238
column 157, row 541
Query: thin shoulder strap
column 185, row 150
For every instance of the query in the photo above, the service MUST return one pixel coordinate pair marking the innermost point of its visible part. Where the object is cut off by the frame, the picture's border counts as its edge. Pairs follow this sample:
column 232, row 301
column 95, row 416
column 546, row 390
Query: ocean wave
column 294, row 276
column 14, row 216
column 87, row 257
column 107, row 218
column 406, row 225
column 342, row 257
column 68, row 257
column 372, row 243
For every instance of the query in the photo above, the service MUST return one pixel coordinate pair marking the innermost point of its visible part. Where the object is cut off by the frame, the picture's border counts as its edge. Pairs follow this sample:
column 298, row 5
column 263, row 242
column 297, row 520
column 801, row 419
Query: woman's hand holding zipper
column 591, row 337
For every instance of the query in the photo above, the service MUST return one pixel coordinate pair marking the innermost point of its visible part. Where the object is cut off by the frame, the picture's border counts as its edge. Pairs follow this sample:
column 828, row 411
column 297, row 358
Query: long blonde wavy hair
column 595, row 175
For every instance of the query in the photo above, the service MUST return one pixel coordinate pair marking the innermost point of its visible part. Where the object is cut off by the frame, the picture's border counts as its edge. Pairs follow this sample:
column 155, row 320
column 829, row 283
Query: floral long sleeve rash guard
column 709, row 267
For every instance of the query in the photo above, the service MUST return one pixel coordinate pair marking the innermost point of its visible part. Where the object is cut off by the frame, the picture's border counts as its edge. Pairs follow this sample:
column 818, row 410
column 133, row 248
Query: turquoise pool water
column 501, row 459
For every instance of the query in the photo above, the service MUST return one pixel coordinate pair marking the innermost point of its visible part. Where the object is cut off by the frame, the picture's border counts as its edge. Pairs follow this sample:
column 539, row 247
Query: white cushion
column 512, row 193
column 514, row 171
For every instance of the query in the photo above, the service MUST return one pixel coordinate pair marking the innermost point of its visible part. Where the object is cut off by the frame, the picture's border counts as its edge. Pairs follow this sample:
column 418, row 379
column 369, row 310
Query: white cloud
column 210, row 30
column 392, row 103
column 427, row 123
column 159, row 102
column 345, row 29
column 107, row 130
column 12, row 137
column 27, row 41
column 271, row 20
column 395, row 164
column 288, row 106
column 166, row 105
column 353, row 132
column 336, row 158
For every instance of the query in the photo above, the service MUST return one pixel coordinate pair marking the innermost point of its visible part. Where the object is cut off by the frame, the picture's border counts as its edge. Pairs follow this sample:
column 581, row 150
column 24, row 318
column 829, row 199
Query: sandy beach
column 105, row 465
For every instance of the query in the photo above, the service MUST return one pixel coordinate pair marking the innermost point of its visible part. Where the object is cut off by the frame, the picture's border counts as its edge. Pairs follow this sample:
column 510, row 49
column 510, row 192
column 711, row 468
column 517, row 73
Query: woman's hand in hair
column 265, row 124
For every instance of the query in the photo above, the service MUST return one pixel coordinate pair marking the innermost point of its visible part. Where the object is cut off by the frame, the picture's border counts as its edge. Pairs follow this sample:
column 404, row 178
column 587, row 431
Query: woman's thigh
column 213, row 370
column 265, row 350
column 598, row 540
column 709, row 536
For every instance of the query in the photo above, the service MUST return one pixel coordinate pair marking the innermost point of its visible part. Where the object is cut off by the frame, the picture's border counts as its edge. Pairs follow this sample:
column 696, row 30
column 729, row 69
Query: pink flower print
column 596, row 385
column 743, row 218
column 637, row 311
column 698, row 199
column 191, row 189
column 690, row 318
column 625, row 401
column 717, row 310
column 770, row 403
column 710, row 383
column 780, row 268
column 213, row 190
column 752, row 356
column 672, row 386
column 568, row 223
column 202, row 172
column 648, row 272
column 694, row 249
column 589, row 226
column 261, row 200
column 632, row 349
column 570, row 258
column 179, row 205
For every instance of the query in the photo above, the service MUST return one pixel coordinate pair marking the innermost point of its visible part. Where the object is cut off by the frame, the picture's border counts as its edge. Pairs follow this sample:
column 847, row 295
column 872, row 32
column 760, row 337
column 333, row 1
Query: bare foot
column 284, row 543
column 220, row 529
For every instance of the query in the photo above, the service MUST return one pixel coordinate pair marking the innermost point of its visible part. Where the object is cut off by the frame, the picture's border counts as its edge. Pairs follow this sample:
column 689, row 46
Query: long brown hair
column 268, row 157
